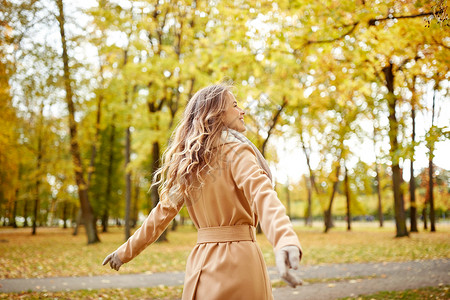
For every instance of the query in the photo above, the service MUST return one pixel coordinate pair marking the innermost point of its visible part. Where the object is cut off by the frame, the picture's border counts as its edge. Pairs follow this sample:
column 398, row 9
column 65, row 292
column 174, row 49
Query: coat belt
column 223, row 234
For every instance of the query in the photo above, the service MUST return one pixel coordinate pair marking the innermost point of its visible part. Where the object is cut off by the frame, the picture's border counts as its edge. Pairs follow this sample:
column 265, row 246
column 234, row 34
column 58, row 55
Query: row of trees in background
column 362, row 203
column 92, row 95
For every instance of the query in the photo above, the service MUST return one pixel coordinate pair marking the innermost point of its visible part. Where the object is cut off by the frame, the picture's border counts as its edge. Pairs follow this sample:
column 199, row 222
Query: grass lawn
column 118, row 294
column 55, row 252
column 441, row 292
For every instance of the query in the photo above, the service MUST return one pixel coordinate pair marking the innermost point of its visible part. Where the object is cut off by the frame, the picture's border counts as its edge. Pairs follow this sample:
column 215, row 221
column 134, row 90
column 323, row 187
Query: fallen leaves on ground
column 440, row 292
column 56, row 252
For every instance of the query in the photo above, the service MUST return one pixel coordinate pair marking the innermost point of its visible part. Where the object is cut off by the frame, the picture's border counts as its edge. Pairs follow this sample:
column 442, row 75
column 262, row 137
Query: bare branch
column 273, row 123
column 335, row 39
column 440, row 43
column 373, row 22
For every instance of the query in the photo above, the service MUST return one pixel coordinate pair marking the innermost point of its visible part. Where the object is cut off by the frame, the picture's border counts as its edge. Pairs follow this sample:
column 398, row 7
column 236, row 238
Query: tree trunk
column 402, row 194
column 14, row 214
column 78, row 221
column 174, row 225
column 16, row 198
column 155, row 165
column 380, row 203
column 328, row 213
column 86, row 208
column 377, row 178
column 109, row 175
column 127, row 161
column 14, row 208
column 412, row 181
column 312, row 184
column 135, row 210
column 25, row 213
column 51, row 215
column 105, row 218
column 65, row 214
column 424, row 216
column 154, row 189
column 308, row 217
column 127, row 184
column 73, row 214
column 288, row 199
column 400, row 216
column 347, row 195
column 430, row 173
column 431, row 196
column 274, row 120
column 5, row 215
column 91, row 168
column 38, row 182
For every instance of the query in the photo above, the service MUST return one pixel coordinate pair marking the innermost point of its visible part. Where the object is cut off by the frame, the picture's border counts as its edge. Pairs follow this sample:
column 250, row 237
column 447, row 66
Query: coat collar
column 231, row 136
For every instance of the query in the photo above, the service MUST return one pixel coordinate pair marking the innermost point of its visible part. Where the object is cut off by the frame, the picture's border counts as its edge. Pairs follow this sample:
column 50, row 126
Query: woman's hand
column 114, row 261
column 287, row 258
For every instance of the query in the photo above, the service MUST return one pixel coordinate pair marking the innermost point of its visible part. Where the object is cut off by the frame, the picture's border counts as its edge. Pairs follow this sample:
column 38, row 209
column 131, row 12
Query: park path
column 333, row 281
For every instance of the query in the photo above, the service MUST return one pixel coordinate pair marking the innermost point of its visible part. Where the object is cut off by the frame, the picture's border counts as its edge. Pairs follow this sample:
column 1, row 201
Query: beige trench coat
column 236, row 192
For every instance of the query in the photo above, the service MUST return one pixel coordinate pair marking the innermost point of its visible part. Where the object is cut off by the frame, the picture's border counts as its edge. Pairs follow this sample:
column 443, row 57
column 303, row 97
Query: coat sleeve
column 153, row 226
column 257, row 188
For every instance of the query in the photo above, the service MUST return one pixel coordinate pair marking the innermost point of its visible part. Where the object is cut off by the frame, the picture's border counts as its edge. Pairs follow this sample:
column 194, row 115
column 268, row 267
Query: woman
column 227, row 187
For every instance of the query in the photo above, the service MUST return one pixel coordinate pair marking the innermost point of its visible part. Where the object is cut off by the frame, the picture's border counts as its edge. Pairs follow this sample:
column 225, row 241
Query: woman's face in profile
column 233, row 117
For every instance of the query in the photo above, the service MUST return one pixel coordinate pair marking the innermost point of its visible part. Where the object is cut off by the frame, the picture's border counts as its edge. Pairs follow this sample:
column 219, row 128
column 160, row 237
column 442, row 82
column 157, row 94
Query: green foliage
column 98, row 188
column 138, row 63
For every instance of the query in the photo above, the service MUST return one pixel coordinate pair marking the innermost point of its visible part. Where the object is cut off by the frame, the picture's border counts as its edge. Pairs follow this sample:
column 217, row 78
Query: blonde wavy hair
column 193, row 145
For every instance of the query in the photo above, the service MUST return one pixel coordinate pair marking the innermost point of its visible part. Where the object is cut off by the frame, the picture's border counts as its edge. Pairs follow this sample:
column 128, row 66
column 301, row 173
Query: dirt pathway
column 366, row 279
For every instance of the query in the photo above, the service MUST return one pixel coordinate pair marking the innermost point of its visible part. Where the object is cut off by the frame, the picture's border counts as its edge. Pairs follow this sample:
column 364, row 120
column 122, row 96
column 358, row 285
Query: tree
column 432, row 136
column 412, row 181
column 38, row 169
column 9, row 159
column 311, row 182
column 328, row 212
column 86, row 208
column 400, row 216
column 378, row 180
column 313, row 79
column 347, row 196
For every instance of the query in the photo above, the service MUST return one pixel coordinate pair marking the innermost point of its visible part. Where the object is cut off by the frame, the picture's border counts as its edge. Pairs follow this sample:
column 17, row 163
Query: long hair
column 193, row 144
